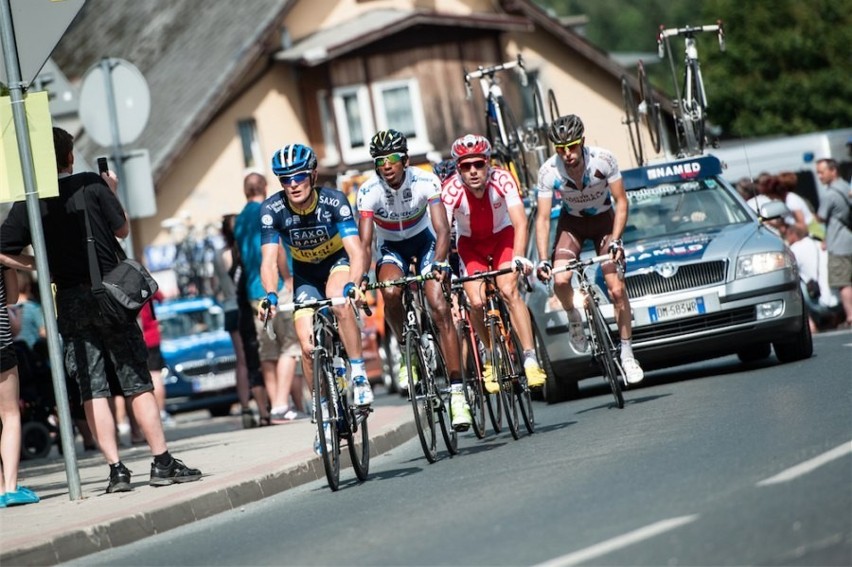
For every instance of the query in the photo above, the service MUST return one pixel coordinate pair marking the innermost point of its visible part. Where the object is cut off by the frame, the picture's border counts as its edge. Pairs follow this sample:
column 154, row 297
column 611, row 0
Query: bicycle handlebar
column 493, row 274
column 403, row 281
column 319, row 304
column 689, row 32
column 489, row 72
column 575, row 264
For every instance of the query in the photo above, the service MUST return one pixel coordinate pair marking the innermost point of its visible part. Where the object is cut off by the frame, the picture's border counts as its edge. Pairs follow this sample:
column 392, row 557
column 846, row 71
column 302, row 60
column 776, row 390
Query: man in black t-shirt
column 105, row 360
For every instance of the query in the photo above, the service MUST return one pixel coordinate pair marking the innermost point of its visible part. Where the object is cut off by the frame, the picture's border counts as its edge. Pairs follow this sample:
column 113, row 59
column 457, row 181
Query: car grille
column 688, row 276
column 690, row 325
column 205, row 367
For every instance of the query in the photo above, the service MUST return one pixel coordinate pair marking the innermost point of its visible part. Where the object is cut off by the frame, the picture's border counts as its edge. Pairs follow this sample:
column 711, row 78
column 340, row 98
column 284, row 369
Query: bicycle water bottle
column 429, row 351
column 339, row 372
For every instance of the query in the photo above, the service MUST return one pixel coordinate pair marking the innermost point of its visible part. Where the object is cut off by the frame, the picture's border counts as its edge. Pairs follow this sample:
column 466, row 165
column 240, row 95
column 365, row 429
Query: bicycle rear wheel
column 424, row 416
column 359, row 441
column 329, row 443
column 606, row 353
column 504, row 371
column 631, row 119
column 652, row 111
column 522, row 390
column 472, row 379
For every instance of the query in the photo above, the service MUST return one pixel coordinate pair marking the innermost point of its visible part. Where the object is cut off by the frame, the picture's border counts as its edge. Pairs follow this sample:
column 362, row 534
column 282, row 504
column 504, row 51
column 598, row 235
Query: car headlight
column 762, row 263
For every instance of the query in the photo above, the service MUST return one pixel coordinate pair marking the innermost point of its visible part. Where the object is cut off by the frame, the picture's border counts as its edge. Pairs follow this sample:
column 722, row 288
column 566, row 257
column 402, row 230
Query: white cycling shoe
column 632, row 371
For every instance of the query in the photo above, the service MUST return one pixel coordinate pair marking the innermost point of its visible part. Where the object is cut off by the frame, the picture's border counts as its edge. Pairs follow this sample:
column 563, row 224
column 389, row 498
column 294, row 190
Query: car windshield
column 177, row 325
column 677, row 208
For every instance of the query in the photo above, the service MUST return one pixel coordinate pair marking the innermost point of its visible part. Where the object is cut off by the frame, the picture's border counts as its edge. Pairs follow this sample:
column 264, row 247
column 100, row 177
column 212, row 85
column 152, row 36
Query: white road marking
column 619, row 542
column 809, row 465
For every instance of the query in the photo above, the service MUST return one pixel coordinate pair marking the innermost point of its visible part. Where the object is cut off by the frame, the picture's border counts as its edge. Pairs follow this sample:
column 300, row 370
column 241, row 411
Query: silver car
column 705, row 277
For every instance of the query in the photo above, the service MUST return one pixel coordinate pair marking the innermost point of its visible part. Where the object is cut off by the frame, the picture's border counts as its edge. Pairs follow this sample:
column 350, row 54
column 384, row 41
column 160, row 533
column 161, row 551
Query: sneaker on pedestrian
column 361, row 391
column 577, row 334
column 248, row 418
column 284, row 414
column 460, row 410
column 119, row 479
column 174, row 472
column 535, row 375
column 20, row 497
column 491, row 385
column 632, row 371
column 317, row 445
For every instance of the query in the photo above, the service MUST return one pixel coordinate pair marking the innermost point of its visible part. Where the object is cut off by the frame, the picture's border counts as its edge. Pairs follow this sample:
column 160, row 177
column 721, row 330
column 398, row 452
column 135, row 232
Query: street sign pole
column 106, row 65
column 57, row 365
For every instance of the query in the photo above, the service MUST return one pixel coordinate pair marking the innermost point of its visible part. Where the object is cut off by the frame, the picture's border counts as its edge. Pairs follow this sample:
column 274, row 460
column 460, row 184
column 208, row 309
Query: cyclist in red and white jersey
column 594, row 207
column 490, row 221
column 401, row 205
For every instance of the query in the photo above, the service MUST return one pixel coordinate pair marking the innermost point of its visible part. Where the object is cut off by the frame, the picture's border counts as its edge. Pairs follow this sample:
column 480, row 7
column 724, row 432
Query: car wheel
column 35, row 440
column 220, row 410
column 554, row 390
column 799, row 347
column 755, row 353
column 390, row 355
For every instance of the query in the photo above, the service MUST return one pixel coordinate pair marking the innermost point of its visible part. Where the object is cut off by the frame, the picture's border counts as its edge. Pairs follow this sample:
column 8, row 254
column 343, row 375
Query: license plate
column 213, row 382
column 677, row 310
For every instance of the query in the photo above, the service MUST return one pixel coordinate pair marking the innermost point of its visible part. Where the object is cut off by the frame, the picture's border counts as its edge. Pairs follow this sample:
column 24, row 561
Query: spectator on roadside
column 801, row 214
column 151, row 333
column 813, row 266
column 835, row 209
column 32, row 316
column 750, row 192
column 10, row 410
column 101, row 356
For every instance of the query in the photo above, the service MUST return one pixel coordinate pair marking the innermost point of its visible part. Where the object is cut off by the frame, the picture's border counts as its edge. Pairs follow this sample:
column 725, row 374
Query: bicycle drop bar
column 401, row 281
column 313, row 304
column 576, row 264
column 494, row 69
column 691, row 30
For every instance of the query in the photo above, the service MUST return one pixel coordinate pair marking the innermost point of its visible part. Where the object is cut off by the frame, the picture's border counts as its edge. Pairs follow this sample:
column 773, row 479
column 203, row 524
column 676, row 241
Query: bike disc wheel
column 359, row 442
column 330, row 448
column 503, row 371
column 472, row 380
column 606, row 355
column 631, row 119
column 522, row 390
column 424, row 416
column 441, row 403
column 652, row 111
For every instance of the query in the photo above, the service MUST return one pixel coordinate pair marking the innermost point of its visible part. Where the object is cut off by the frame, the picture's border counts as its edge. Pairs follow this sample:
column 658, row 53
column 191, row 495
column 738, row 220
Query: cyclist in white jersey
column 491, row 222
column 401, row 205
column 594, row 207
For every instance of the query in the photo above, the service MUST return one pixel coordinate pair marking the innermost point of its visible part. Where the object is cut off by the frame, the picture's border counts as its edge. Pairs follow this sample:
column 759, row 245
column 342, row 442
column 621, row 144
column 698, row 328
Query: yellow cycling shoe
column 488, row 376
column 535, row 375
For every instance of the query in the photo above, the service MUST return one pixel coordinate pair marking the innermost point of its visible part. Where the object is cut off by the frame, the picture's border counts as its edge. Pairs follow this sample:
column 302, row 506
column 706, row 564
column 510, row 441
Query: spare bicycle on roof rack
column 690, row 99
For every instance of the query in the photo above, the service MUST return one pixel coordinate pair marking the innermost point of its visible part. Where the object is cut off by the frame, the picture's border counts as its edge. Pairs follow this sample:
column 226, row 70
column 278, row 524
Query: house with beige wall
column 232, row 82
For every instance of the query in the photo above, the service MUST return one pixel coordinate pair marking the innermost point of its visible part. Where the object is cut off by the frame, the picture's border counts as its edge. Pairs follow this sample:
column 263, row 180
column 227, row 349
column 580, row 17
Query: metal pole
column 57, row 365
column 107, row 64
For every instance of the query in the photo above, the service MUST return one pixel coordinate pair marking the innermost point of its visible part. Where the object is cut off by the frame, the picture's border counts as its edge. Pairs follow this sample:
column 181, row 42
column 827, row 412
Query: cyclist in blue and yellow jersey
column 401, row 205
column 485, row 203
column 318, row 227
column 594, row 207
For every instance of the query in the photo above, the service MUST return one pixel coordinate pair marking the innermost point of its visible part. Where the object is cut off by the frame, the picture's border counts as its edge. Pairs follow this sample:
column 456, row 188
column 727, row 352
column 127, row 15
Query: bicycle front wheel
column 504, row 372
column 474, row 390
column 441, row 401
column 522, row 389
column 327, row 423
column 418, row 393
column 631, row 119
column 606, row 353
column 359, row 441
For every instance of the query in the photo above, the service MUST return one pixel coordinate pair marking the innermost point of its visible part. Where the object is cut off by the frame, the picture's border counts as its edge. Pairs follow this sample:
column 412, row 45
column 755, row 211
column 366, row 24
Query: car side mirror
column 773, row 210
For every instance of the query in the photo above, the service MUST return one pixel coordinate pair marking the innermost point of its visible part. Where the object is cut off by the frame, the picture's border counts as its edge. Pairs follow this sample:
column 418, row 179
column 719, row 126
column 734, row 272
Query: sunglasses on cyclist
column 390, row 158
column 467, row 165
column 568, row 146
column 295, row 178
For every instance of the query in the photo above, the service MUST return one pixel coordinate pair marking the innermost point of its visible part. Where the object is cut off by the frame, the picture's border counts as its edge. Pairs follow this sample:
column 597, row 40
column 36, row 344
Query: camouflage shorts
column 104, row 360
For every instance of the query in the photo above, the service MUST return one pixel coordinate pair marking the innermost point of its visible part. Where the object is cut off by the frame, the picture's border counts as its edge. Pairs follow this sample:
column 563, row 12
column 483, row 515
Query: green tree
column 786, row 69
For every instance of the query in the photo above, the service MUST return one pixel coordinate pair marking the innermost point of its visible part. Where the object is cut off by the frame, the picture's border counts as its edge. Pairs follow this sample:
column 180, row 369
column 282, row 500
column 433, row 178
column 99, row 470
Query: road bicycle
column 603, row 347
column 691, row 100
column 472, row 351
column 507, row 354
column 430, row 393
column 333, row 403
column 647, row 110
column 501, row 128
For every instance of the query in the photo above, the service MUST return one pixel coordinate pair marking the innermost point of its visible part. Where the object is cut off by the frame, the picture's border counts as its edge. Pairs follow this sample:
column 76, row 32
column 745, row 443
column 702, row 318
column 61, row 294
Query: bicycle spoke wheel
column 522, row 390
column 329, row 441
column 424, row 416
column 503, row 372
column 359, row 442
column 606, row 354
column 517, row 153
column 472, row 379
column 541, row 122
column 652, row 111
column 631, row 119
column 551, row 103
column 495, row 409
column 441, row 402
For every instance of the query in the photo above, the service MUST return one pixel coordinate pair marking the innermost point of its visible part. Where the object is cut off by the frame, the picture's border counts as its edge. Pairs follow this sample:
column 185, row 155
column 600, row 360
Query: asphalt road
column 708, row 464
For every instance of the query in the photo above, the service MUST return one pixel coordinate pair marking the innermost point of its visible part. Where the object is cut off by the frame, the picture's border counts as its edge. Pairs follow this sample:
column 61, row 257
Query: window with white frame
column 397, row 105
column 248, row 139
